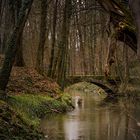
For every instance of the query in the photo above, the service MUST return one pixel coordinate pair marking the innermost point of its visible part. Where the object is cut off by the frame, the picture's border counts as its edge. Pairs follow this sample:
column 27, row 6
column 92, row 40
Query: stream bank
column 30, row 98
column 20, row 117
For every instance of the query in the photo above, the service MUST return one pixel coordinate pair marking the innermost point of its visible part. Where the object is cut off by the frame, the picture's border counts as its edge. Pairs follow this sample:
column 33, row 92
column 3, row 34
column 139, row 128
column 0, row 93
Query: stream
column 95, row 120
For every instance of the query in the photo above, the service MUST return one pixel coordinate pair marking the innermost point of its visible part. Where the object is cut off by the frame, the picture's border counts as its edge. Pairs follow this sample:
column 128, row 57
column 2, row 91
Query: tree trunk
column 82, row 49
column 12, row 45
column 62, row 65
column 135, row 7
column 50, row 72
column 95, row 36
column 19, row 61
column 40, row 51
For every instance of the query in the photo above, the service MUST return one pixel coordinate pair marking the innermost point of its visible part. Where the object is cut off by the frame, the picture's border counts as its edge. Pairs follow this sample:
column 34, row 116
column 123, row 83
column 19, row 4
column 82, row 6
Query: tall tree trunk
column 135, row 7
column 82, row 49
column 95, row 36
column 12, row 46
column 62, row 65
column 40, row 51
column 19, row 61
column 91, row 48
column 50, row 71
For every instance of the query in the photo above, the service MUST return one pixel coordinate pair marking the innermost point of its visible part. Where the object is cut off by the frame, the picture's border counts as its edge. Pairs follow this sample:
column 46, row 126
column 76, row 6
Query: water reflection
column 89, row 121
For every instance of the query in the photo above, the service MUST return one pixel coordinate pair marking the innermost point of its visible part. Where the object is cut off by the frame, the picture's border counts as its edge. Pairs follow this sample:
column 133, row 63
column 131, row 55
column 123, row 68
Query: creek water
column 95, row 120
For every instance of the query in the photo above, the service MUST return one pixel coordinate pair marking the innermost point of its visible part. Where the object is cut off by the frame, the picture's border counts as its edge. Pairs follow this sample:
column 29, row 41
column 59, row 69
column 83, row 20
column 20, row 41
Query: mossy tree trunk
column 12, row 45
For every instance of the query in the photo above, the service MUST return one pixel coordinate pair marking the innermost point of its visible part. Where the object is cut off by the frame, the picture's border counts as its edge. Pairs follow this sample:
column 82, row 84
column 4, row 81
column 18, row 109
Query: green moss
column 12, row 126
column 20, row 117
column 34, row 107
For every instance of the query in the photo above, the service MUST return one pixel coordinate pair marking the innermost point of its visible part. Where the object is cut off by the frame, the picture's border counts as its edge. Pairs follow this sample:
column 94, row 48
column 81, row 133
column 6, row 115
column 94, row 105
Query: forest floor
column 27, row 80
column 31, row 97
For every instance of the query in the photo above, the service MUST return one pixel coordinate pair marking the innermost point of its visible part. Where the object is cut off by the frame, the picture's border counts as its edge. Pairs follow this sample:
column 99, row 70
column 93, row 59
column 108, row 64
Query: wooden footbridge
column 110, row 86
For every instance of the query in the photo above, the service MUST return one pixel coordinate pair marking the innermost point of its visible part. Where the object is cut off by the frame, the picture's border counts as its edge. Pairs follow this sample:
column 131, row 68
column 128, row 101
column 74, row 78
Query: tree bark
column 19, row 60
column 50, row 71
column 40, row 51
column 12, row 45
column 62, row 65
column 135, row 7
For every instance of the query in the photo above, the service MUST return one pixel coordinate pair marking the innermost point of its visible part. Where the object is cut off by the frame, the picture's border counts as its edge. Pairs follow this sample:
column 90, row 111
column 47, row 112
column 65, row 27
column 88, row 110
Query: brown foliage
column 25, row 80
